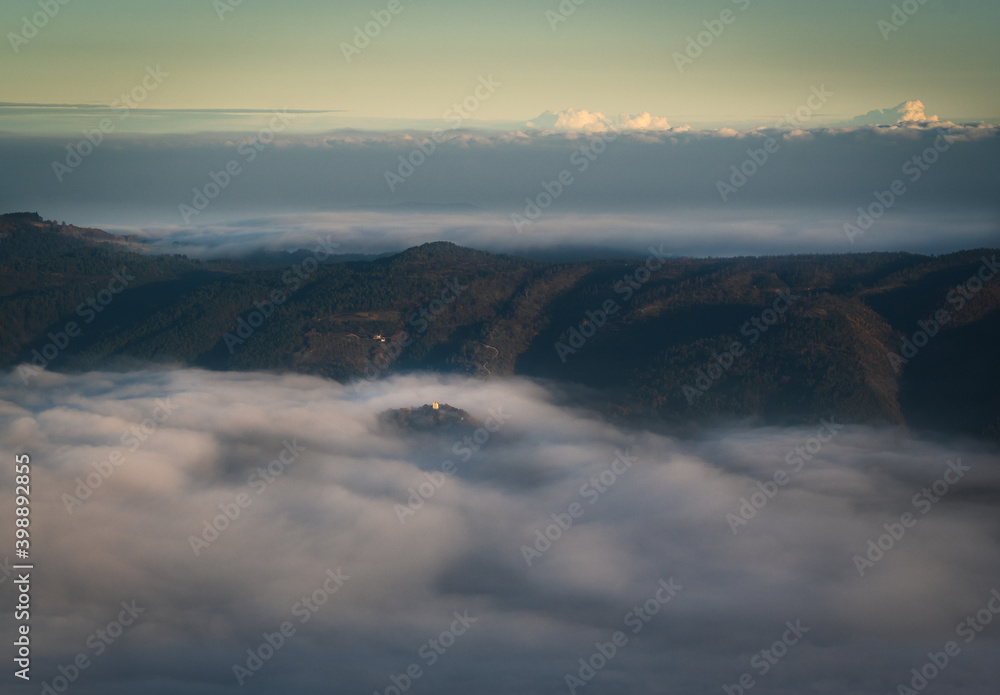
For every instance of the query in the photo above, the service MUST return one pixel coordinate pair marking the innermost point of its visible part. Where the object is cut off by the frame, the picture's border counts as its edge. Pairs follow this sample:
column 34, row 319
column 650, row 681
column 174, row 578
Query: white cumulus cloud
column 913, row 112
column 907, row 113
column 582, row 120
column 642, row 121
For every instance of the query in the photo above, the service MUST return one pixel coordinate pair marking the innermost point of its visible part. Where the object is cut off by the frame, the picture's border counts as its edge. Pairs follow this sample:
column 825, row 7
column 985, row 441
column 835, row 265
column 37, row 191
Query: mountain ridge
column 665, row 348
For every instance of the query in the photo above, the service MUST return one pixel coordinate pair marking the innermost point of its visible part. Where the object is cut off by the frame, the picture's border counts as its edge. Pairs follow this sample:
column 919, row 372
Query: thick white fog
column 699, row 551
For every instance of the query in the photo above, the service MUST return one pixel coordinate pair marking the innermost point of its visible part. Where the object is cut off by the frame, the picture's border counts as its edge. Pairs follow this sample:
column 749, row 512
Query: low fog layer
column 817, row 178
column 647, row 507
column 696, row 233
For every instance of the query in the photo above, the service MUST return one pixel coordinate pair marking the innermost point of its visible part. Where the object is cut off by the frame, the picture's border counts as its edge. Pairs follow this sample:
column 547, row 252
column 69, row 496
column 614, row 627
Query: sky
column 123, row 114
column 611, row 57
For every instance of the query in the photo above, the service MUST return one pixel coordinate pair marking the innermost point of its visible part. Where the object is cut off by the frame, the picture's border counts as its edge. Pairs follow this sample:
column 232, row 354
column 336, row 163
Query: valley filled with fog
column 493, row 557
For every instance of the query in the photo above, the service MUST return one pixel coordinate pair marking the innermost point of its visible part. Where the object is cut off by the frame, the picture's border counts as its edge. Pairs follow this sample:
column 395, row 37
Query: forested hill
column 873, row 338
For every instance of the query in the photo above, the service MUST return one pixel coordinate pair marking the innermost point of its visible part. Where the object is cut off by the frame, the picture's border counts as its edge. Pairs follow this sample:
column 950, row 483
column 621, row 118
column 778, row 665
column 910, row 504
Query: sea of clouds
column 189, row 441
column 709, row 192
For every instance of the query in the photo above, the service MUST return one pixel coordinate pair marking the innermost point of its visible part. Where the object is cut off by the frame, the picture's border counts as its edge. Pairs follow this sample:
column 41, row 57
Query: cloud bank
column 585, row 121
column 817, row 177
column 651, row 508
column 905, row 114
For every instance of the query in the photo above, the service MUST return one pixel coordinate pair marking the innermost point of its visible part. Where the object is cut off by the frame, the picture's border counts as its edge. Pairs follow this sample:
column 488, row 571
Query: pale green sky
column 612, row 57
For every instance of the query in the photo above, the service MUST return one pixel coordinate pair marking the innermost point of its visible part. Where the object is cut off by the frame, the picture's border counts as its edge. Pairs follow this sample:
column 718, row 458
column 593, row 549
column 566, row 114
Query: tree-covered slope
column 772, row 339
